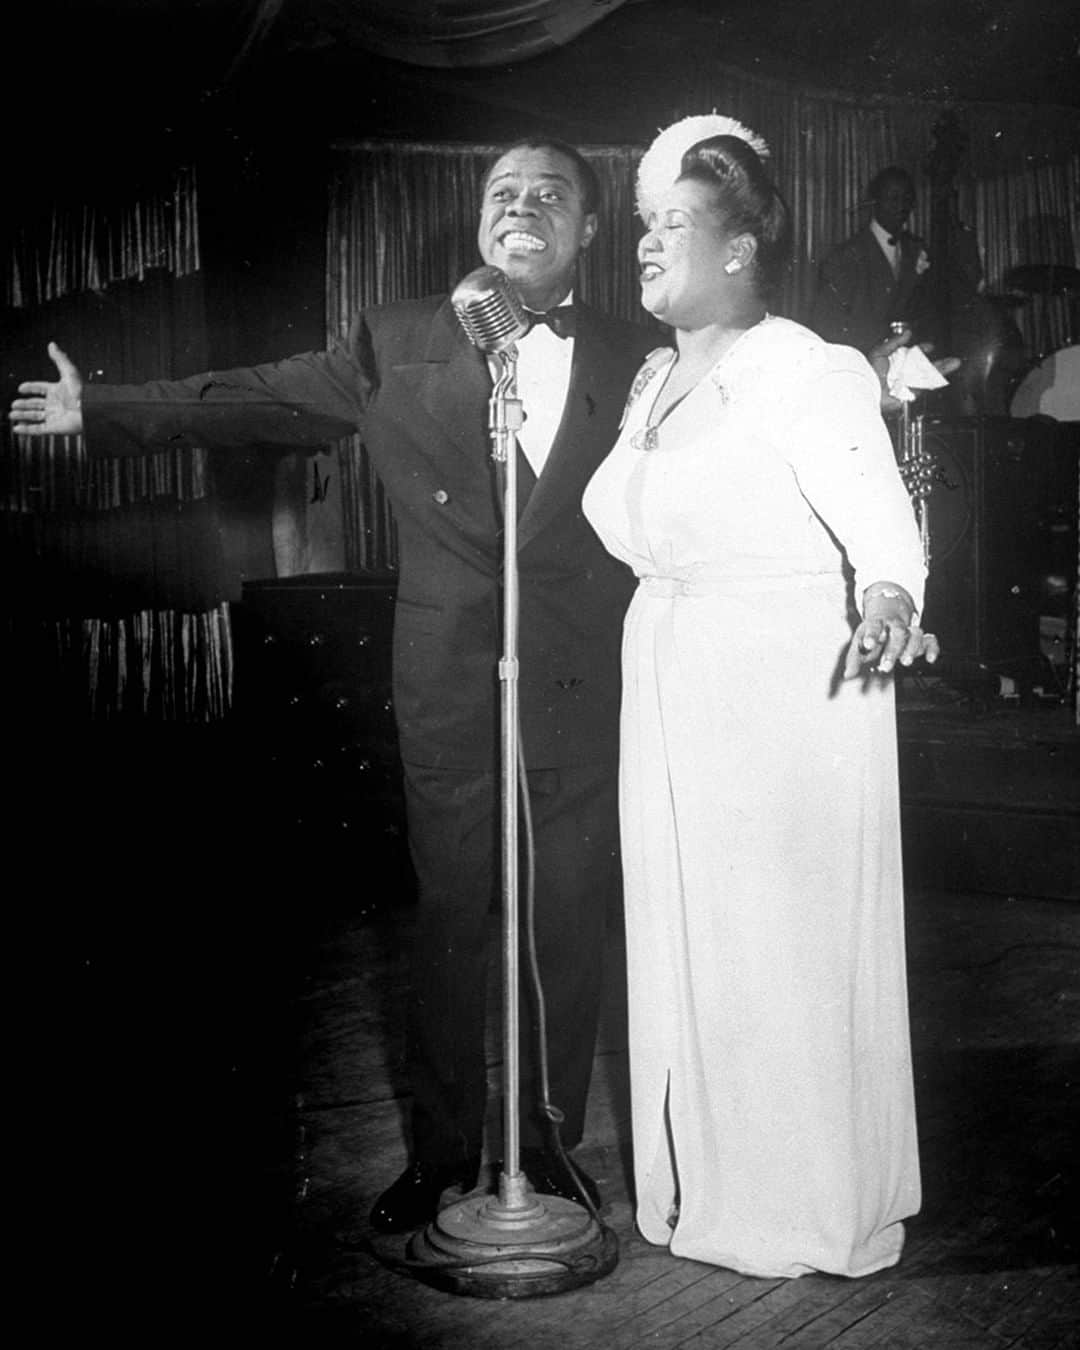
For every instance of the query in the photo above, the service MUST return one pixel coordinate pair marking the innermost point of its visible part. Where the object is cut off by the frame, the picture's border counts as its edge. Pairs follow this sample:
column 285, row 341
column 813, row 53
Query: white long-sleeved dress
column 773, row 1109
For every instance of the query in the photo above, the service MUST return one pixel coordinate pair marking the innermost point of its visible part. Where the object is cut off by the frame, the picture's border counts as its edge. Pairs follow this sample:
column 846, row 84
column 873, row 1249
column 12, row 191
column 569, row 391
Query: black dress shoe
column 549, row 1175
column 413, row 1199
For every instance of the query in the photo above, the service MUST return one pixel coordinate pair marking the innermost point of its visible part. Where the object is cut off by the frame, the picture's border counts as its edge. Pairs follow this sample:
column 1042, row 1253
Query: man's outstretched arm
column 303, row 400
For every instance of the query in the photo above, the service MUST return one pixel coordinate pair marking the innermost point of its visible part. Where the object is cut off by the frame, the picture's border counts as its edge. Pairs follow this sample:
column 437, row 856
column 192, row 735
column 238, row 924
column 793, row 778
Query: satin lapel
column 909, row 253
column 451, row 385
column 881, row 272
column 578, row 448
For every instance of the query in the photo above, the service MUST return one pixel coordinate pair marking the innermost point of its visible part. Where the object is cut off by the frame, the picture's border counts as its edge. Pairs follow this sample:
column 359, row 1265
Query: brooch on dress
column 646, row 439
column 644, row 375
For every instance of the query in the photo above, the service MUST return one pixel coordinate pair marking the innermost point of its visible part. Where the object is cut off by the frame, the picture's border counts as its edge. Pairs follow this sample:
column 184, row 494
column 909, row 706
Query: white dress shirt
column 543, row 380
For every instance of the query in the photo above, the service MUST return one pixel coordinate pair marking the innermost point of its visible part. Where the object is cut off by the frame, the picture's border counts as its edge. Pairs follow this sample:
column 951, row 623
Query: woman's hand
column 887, row 634
column 51, row 409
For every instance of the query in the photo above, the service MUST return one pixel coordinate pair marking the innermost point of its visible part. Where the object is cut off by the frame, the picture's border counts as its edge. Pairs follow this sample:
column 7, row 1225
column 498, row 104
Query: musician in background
column 412, row 381
column 875, row 277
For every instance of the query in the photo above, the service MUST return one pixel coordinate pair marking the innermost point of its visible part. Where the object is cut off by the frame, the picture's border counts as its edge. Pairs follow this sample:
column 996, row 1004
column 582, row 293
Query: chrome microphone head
column 488, row 309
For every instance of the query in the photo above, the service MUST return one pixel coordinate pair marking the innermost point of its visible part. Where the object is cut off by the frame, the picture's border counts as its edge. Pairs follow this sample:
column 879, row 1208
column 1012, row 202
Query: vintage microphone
column 493, row 317
column 516, row 1243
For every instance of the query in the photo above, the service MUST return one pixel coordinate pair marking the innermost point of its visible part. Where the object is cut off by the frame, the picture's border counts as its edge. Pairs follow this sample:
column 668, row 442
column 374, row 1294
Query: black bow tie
column 891, row 241
column 562, row 321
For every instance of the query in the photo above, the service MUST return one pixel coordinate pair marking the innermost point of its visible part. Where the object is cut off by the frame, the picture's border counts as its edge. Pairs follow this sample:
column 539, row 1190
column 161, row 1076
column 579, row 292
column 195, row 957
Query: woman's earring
column 734, row 265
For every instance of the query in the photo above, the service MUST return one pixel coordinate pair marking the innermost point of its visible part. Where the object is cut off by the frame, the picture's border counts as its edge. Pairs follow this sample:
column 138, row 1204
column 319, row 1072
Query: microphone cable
column 551, row 1113
column 578, row 1262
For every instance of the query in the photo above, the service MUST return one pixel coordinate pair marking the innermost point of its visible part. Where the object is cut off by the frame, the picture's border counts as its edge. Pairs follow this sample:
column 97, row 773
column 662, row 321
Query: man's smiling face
column 533, row 223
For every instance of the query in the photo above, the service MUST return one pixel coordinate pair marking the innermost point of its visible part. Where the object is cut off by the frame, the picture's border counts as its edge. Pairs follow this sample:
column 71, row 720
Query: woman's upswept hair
column 747, row 200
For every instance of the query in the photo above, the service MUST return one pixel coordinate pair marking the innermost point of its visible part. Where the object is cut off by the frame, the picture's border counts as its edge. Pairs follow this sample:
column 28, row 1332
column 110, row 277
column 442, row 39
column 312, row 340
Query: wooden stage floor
column 991, row 1261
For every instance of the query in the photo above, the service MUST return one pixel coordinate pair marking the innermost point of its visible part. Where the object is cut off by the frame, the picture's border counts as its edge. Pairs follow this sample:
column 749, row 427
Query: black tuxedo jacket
column 412, row 383
column 858, row 296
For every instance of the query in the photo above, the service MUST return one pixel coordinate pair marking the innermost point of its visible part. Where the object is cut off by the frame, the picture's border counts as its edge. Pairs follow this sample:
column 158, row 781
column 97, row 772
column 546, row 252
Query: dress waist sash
column 689, row 583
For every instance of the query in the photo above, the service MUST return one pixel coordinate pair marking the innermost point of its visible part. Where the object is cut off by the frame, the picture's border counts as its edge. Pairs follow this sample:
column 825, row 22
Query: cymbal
column 1043, row 278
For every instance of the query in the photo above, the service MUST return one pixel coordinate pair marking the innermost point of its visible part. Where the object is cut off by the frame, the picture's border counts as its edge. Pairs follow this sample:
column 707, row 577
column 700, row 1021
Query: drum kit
column 1051, row 386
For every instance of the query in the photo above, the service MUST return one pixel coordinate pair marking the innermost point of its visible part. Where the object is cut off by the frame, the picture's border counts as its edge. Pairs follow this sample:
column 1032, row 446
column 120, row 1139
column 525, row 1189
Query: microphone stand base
column 481, row 1247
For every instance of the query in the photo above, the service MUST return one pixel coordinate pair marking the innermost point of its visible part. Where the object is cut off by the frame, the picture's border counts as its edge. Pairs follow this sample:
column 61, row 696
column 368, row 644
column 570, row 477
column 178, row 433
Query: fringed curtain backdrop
column 88, row 247
column 117, row 593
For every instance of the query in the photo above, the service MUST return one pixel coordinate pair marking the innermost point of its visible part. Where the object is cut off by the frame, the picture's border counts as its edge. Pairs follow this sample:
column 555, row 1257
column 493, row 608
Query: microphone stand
column 504, row 421
column 515, row 1244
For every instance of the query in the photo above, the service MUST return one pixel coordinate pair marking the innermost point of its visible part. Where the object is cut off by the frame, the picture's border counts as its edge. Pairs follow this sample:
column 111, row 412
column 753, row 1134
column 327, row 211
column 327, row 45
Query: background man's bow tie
column 562, row 321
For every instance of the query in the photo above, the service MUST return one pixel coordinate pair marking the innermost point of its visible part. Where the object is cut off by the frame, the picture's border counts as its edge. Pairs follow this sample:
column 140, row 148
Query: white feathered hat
column 661, row 163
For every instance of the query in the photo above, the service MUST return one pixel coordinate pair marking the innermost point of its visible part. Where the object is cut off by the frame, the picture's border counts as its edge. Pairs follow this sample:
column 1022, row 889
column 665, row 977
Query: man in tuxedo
column 409, row 378
column 875, row 277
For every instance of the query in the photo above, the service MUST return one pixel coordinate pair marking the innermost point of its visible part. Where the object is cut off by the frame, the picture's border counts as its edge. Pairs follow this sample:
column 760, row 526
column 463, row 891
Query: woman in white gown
column 755, row 493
